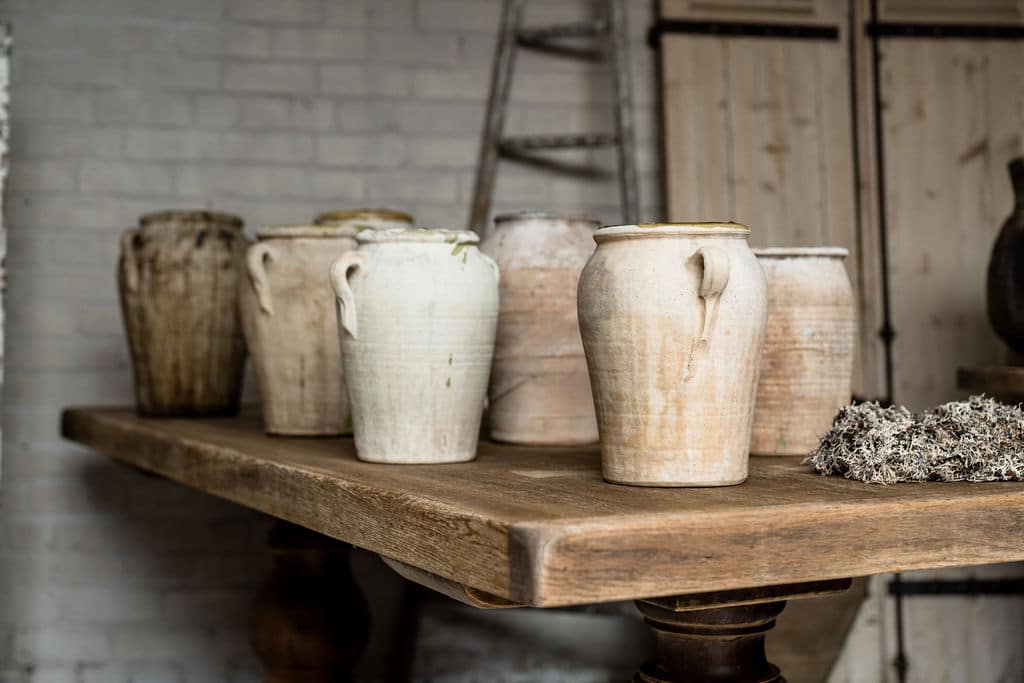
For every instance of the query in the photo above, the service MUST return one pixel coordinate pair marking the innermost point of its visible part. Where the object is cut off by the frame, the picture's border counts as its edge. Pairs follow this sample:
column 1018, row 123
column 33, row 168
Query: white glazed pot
column 540, row 390
column 807, row 368
column 290, row 327
column 417, row 312
column 673, row 321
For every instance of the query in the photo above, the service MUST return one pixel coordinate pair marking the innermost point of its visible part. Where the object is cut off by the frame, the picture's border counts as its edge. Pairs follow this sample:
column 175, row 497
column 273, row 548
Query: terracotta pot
column 1005, row 284
column 291, row 329
column 540, row 390
column 417, row 312
column 807, row 365
column 178, row 278
column 374, row 219
column 673, row 321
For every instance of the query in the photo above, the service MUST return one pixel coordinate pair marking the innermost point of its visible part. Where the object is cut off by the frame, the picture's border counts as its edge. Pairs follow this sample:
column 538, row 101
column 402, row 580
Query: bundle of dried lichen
column 974, row 440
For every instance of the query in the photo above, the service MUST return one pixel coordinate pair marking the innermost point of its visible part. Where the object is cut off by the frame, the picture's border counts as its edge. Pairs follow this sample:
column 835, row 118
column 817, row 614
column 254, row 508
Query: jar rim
column 545, row 215
column 352, row 215
column 801, row 252
column 708, row 228
column 191, row 216
column 323, row 231
column 435, row 235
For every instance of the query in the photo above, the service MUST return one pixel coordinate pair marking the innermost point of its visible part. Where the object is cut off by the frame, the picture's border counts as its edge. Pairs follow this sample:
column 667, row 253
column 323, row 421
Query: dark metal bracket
column 895, row 29
column 743, row 29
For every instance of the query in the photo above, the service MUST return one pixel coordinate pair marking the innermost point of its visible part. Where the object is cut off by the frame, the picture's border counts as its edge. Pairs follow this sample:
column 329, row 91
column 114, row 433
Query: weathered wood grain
column 538, row 525
column 953, row 115
column 760, row 131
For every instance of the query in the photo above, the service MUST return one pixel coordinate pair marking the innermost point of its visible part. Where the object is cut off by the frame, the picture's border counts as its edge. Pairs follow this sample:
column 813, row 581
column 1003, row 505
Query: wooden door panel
column 953, row 112
column 759, row 130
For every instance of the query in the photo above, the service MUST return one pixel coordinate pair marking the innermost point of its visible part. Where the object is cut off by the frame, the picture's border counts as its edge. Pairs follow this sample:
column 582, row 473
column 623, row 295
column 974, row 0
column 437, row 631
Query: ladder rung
column 522, row 143
column 532, row 36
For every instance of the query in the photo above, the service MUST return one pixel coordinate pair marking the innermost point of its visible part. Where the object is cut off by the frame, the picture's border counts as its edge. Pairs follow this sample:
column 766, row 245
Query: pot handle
column 256, row 260
column 494, row 266
column 340, row 270
column 129, row 263
column 715, row 276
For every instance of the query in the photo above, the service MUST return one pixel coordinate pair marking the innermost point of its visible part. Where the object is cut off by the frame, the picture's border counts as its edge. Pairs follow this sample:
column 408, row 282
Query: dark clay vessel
column 1006, row 269
column 178, row 277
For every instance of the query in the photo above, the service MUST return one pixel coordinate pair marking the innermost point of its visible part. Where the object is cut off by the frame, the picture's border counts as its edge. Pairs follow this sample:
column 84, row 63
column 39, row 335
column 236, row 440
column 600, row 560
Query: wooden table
column 710, row 568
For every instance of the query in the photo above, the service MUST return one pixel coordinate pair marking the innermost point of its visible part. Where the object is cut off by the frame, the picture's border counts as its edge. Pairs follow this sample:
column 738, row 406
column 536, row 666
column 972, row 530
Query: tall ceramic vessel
column 807, row 366
column 540, row 390
column 673, row 321
column 290, row 327
column 178, row 278
column 372, row 219
column 1005, row 285
column 417, row 312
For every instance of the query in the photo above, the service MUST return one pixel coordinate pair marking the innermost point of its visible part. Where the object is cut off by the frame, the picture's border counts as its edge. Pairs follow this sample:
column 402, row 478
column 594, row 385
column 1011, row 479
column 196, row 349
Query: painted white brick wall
column 275, row 109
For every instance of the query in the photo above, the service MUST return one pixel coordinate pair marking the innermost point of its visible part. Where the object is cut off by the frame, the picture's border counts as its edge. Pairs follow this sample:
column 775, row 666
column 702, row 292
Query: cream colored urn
column 673, row 322
column 540, row 389
column 289, row 322
column 807, row 368
column 417, row 313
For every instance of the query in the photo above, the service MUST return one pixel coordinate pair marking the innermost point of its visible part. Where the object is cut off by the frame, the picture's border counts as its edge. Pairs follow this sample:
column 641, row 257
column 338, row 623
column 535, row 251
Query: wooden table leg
column 719, row 637
column 310, row 622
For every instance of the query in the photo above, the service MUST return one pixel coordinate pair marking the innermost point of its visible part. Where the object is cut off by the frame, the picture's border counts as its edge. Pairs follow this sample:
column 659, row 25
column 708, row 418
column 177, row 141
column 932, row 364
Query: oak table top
column 538, row 526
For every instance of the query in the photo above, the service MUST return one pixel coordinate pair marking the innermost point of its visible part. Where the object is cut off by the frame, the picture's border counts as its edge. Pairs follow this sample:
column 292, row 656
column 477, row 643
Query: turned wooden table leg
column 719, row 637
column 309, row 623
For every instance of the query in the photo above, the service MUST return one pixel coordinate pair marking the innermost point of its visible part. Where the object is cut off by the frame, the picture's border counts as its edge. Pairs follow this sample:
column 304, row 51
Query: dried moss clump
column 974, row 440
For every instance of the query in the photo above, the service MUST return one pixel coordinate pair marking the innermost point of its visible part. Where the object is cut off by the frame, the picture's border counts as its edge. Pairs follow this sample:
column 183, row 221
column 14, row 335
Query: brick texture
column 275, row 109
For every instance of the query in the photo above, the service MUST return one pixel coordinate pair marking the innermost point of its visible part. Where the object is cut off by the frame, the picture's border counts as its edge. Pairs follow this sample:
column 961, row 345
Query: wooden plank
column 953, row 115
column 1002, row 12
column 809, row 12
column 870, row 378
column 538, row 525
column 698, row 164
column 759, row 130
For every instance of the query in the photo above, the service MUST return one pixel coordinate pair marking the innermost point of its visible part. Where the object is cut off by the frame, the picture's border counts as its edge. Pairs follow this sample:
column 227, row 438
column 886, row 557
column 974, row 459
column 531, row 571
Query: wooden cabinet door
column 759, row 130
column 952, row 117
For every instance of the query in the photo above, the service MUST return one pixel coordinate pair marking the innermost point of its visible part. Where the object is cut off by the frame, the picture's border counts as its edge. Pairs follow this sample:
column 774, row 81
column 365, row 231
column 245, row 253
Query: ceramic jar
column 807, row 365
column 1004, row 285
column 291, row 329
column 178, row 280
column 673, row 321
column 373, row 219
column 417, row 312
column 540, row 390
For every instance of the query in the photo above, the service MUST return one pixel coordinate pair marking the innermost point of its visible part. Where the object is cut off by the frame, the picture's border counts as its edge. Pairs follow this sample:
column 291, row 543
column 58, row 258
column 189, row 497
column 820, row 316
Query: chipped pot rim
column 801, row 252
column 354, row 216
column 709, row 228
column 527, row 215
column 324, row 231
column 191, row 216
column 422, row 235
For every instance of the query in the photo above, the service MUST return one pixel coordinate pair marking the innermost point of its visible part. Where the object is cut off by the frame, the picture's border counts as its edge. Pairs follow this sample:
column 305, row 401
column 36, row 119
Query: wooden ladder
column 494, row 144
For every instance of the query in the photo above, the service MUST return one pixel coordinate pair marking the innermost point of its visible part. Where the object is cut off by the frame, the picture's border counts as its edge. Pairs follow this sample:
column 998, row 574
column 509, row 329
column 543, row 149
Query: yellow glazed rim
column 355, row 215
column 710, row 229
